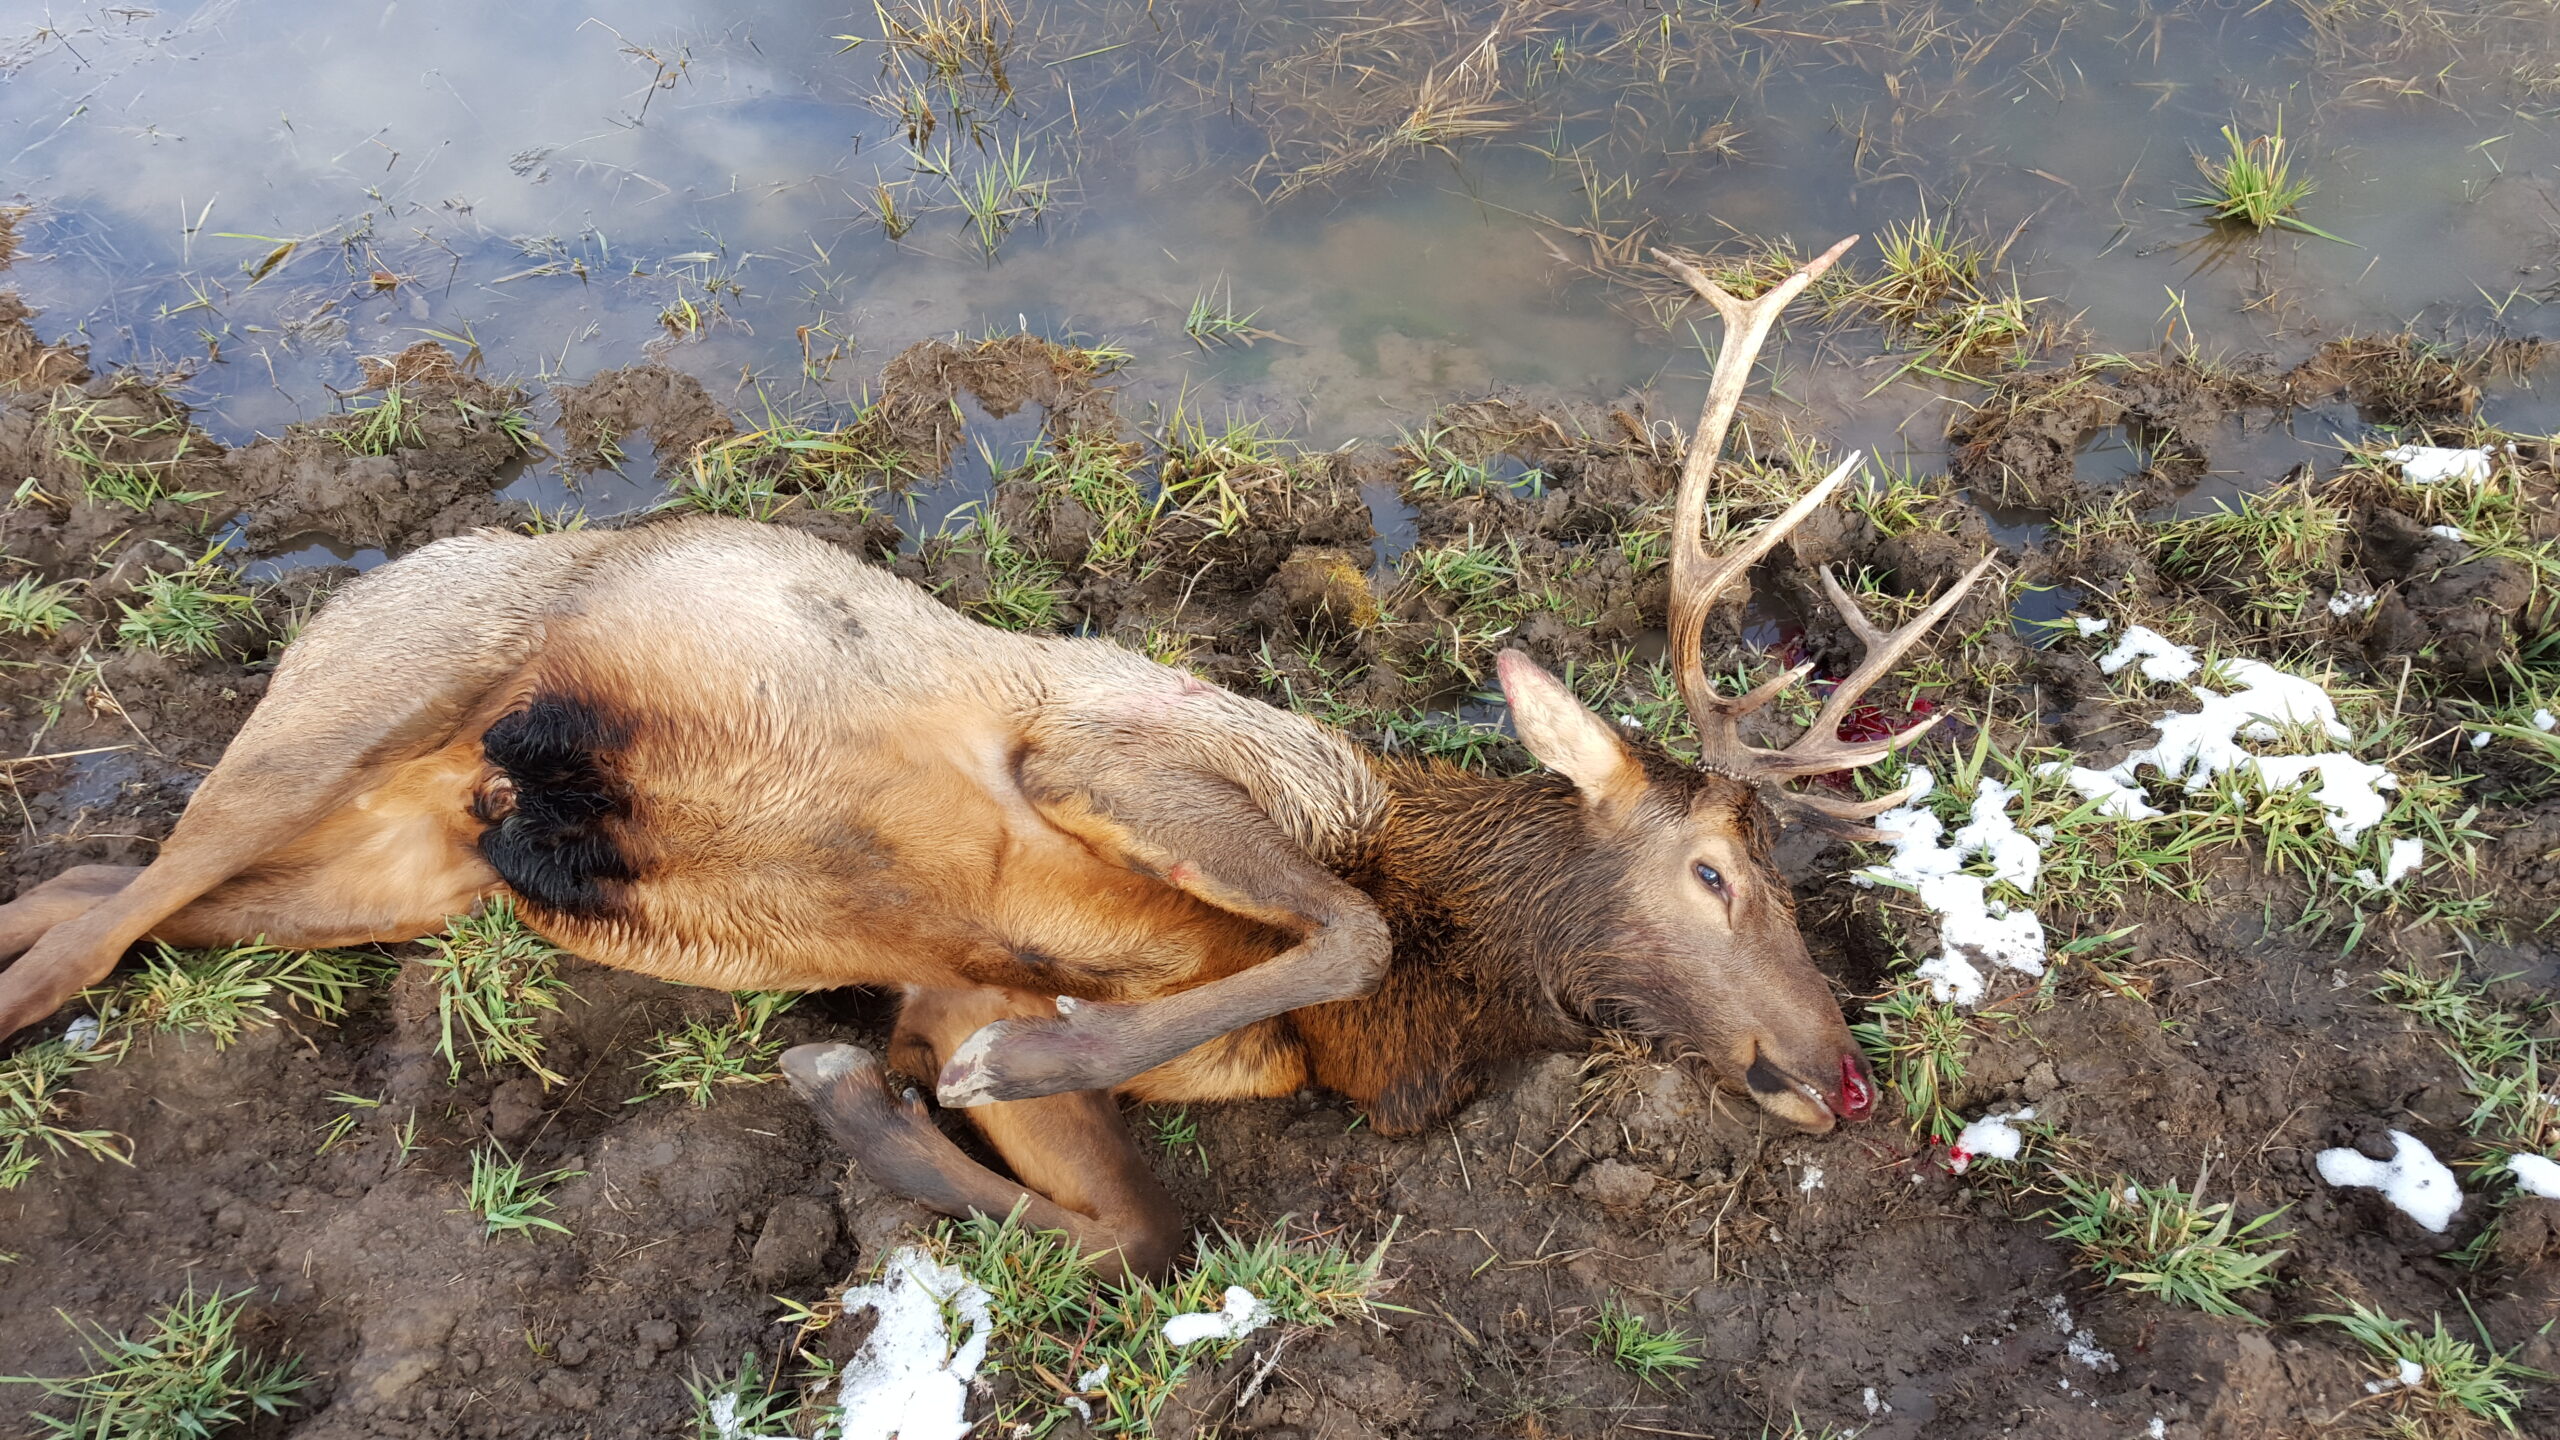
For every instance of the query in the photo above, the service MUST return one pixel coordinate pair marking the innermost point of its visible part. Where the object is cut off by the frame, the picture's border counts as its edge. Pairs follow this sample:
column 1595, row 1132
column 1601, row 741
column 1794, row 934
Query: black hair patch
column 556, row 844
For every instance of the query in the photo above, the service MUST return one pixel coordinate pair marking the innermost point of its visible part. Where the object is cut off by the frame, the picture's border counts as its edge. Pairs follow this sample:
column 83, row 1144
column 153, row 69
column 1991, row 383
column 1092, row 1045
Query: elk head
column 1704, row 949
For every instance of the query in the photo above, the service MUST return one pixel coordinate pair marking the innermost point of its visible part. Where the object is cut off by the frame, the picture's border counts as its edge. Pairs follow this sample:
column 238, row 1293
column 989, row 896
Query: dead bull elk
column 731, row 755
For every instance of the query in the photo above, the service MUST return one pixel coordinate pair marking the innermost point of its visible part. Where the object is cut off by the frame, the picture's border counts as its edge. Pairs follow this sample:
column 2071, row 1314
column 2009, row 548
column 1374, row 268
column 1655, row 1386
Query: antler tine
column 1821, row 750
column 1696, row 577
column 1844, row 818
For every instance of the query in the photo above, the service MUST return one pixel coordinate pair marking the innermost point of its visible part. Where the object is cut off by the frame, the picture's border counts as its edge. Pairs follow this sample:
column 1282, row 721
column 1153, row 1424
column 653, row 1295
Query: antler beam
column 1699, row 579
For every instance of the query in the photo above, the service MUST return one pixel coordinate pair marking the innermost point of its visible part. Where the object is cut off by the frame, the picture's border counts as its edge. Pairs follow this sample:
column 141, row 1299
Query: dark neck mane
column 1487, row 884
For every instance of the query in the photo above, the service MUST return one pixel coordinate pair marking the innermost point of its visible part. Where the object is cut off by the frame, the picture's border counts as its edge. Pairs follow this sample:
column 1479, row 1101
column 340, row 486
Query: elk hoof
column 813, row 1070
column 1025, row 1058
column 890, row 1137
column 969, row 1077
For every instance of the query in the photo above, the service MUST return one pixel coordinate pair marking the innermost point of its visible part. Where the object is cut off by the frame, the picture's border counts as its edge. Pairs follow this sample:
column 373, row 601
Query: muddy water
column 254, row 192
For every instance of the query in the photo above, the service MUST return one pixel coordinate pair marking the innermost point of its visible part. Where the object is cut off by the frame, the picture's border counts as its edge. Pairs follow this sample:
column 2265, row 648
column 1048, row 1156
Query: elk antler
column 1697, row 579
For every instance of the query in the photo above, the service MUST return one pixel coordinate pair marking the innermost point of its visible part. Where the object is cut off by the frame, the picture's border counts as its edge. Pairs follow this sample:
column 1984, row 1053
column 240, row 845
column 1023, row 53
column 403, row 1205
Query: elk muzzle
column 1815, row 1096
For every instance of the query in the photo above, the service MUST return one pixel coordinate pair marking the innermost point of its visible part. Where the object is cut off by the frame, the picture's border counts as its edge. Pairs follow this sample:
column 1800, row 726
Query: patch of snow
column 2159, row 1429
column 2078, row 1342
column 723, row 1415
column 81, row 1033
column 2413, row 1179
column 2406, row 856
column 2479, row 738
column 2196, row 746
column 2118, row 800
column 1812, row 1180
column 1244, row 1314
column 2535, row 1175
column 2350, row 790
column 2161, row 657
column 2089, row 625
column 1974, row 929
column 909, row 1381
column 2445, row 532
column 1993, row 1137
column 2542, row 720
column 2429, row 465
column 1874, row 1405
column 2343, row 605
column 2411, row 1376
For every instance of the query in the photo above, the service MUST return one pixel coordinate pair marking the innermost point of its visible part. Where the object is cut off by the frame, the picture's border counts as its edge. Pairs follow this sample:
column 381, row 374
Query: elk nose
column 1857, row 1088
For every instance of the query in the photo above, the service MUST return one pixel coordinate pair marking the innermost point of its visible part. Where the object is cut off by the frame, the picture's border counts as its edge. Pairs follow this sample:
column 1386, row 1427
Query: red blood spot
column 1857, row 1096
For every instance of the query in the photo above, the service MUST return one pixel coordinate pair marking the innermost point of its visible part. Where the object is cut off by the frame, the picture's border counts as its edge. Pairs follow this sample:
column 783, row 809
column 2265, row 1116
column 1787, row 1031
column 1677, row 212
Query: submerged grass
column 2252, row 183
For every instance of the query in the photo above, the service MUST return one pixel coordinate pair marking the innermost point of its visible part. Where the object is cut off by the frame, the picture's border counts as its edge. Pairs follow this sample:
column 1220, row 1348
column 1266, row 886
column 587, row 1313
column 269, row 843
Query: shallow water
column 254, row 192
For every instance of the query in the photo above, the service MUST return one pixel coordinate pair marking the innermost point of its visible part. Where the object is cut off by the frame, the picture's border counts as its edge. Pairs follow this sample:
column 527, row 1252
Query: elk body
column 730, row 755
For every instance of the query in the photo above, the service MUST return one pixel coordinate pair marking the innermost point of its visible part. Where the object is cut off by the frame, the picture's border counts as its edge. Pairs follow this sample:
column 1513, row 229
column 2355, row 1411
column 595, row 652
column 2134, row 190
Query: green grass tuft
column 29, row 607
column 183, row 612
column 1054, row 1320
column 494, row 979
column 34, row 1095
column 2253, row 183
column 381, row 426
column 1656, row 1357
column 2461, row 1383
column 2167, row 1242
column 730, row 1404
column 702, row 1057
column 1023, row 590
column 225, row 992
column 186, row 1375
column 507, row 1200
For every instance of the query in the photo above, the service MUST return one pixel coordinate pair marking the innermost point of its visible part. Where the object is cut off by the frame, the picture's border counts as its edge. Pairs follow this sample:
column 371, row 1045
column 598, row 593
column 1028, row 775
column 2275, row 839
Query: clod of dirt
column 420, row 462
column 2021, row 446
column 2403, row 380
column 668, row 406
column 517, row 1108
column 1616, row 1184
column 798, row 1232
column 27, row 364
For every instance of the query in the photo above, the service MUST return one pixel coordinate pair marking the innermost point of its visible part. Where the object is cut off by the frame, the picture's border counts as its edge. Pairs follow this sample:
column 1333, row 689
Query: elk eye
column 1712, row 878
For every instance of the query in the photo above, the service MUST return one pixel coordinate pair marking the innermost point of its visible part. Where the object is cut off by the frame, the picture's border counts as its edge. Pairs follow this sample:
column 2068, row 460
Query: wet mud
column 1852, row 1281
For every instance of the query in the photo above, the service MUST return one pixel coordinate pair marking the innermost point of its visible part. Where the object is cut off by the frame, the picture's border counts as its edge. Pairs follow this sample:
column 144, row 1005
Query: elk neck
column 1495, row 894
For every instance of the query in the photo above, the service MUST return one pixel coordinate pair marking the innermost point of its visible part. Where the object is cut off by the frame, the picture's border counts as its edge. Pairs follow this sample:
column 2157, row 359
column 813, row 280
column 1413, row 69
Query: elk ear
column 1565, row 736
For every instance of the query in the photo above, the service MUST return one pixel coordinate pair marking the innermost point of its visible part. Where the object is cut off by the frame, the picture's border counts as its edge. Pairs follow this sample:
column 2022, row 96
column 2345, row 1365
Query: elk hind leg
column 66, row 896
column 1078, row 1168
column 390, row 671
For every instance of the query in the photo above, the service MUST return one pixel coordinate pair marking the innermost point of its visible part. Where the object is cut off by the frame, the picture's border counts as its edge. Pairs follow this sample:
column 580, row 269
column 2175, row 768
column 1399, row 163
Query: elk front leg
column 1080, row 1171
column 1203, row 835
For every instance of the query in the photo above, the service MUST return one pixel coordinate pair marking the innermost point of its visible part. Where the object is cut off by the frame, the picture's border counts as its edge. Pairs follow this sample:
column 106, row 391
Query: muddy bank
column 1853, row 1281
